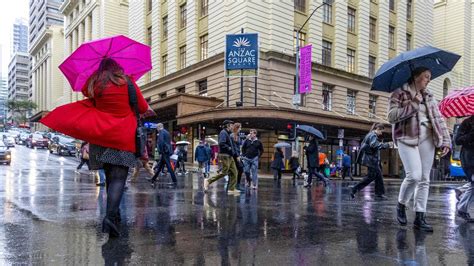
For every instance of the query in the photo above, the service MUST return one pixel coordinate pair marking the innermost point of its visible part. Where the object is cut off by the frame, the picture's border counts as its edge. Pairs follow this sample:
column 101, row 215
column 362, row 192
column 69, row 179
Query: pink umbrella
column 134, row 57
column 458, row 103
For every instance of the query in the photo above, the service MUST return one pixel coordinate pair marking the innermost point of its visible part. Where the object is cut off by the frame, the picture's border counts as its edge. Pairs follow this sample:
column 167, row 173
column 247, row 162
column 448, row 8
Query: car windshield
column 65, row 139
column 2, row 145
column 37, row 136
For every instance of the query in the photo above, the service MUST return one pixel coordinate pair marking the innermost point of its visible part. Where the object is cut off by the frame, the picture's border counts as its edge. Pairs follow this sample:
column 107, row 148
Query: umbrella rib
column 129, row 58
column 110, row 47
column 130, row 44
column 93, row 49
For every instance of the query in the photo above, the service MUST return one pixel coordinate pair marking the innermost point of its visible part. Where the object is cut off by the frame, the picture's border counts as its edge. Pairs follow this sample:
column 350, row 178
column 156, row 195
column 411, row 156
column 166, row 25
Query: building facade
column 87, row 20
column 19, row 36
column 18, row 79
column 3, row 100
column 350, row 39
column 46, row 36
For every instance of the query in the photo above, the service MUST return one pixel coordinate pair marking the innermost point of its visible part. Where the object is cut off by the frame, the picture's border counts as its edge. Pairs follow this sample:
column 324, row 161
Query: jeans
column 312, row 171
column 101, row 173
column 251, row 169
column 164, row 160
column 228, row 168
column 466, row 196
column 115, row 178
column 417, row 161
column 375, row 174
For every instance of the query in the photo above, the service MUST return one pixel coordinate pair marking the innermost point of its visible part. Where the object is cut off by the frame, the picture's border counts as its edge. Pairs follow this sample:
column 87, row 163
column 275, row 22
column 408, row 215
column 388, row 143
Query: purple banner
column 305, row 69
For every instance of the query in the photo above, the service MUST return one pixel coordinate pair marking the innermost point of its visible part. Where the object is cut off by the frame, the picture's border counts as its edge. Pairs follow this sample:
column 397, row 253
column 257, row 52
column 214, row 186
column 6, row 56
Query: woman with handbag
column 84, row 155
column 238, row 161
column 108, row 121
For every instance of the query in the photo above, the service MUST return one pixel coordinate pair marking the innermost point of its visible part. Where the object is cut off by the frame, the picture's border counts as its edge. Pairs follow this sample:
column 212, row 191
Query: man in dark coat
column 226, row 154
column 465, row 137
column 165, row 150
column 369, row 155
column 312, row 157
column 202, row 156
column 252, row 150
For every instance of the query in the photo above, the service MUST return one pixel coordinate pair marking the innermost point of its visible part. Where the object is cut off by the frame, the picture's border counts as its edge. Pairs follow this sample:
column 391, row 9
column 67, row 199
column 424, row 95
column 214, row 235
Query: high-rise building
column 19, row 36
column 3, row 100
column 47, row 53
column 18, row 79
column 89, row 20
column 350, row 40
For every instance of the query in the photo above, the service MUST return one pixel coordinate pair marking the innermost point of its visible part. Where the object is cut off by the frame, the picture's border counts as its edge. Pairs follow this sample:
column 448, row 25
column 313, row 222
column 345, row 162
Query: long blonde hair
column 237, row 127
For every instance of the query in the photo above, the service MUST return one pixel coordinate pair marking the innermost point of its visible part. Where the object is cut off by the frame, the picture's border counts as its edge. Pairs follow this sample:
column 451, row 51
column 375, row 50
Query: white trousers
column 417, row 161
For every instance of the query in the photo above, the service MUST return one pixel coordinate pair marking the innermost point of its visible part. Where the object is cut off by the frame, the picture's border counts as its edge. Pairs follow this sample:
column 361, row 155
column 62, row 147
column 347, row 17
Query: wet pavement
column 51, row 215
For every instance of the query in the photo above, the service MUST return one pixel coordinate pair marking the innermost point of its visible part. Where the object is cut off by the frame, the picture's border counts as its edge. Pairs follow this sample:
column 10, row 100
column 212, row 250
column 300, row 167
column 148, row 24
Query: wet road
column 51, row 215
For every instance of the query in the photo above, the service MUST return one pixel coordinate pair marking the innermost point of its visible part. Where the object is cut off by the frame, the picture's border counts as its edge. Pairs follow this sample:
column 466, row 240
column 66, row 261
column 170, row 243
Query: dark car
column 62, row 145
column 37, row 140
column 5, row 154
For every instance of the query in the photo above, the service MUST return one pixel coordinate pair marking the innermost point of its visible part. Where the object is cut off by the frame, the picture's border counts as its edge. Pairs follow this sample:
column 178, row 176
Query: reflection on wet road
column 51, row 215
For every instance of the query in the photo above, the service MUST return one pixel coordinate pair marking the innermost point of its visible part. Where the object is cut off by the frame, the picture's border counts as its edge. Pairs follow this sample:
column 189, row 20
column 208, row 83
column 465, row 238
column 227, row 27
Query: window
column 351, row 102
column 149, row 5
column 202, row 87
column 164, row 65
column 351, row 19
column 300, row 5
column 327, row 51
column 391, row 5
column 408, row 42
column 372, row 63
column 182, row 57
column 181, row 90
column 373, row 29
column 327, row 96
column 162, row 95
column 351, row 60
column 327, row 11
column 182, row 16
column 302, row 39
column 372, row 105
column 409, row 8
column 391, row 37
column 165, row 28
column 204, row 7
column 148, row 36
column 204, row 45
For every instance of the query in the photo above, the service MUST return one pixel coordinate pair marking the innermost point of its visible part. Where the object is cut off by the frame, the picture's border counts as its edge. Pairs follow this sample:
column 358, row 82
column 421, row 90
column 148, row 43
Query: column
column 340, row 35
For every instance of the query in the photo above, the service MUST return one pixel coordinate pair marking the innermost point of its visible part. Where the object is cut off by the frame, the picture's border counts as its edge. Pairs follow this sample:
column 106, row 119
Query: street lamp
column 297, row 93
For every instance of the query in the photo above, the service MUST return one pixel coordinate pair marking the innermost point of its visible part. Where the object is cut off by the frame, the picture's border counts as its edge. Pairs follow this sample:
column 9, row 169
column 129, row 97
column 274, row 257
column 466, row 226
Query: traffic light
column 291, row 128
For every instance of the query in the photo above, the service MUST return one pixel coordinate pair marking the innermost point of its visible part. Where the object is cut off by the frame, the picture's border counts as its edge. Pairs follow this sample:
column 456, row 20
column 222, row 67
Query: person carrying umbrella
column 312, row 157
column 418, row 129
column 277, row 164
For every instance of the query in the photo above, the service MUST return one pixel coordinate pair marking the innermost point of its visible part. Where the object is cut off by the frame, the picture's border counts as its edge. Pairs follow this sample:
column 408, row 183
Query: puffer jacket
column 403, row 115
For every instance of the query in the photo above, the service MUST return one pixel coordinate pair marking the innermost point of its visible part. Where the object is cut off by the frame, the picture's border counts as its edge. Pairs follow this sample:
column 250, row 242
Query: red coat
column 110, row 123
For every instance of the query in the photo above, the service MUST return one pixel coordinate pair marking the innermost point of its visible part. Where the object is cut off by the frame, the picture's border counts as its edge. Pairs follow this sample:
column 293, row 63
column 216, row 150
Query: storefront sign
column 241, row 51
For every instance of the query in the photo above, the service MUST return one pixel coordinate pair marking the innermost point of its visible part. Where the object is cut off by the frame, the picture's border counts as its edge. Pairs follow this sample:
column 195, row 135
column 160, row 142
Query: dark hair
column 109, row 71
column 416, row 72
column 377, row 126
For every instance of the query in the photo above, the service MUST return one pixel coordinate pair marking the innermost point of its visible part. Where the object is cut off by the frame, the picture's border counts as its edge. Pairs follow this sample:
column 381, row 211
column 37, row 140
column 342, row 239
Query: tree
column 21, row 108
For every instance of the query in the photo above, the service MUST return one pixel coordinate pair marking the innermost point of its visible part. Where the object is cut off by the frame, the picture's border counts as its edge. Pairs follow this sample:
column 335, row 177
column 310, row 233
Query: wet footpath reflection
column 51, row 216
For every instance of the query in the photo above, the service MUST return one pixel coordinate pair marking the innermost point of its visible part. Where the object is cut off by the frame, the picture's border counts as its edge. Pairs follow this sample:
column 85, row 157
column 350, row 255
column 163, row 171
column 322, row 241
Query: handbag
column 140, row 134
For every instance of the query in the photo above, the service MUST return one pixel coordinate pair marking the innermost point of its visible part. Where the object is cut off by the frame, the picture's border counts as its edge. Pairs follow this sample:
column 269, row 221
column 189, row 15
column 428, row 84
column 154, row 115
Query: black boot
column 401, row 214
column 421, row 224
column 109, row 227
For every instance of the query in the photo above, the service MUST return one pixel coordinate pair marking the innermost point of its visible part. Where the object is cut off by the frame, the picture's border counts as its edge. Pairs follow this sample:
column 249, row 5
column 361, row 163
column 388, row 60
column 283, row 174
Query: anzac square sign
column 241, row 54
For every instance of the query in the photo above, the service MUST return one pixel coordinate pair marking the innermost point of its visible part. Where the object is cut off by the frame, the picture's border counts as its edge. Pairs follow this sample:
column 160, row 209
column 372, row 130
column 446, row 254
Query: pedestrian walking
column 165, row 150
column 101, row 175
column 182, row 153
column 277, row 164
column 237, row 157
column 369, row 155
column 465, row 137
column 323, row 163
column 208, row 163
column 295, row 166
column 252, row 150
column 418, row 129
column 84, row 151
column 142, row 162
column 226, row 160
column 346, row 167
column 202, row 156
column 313, row 160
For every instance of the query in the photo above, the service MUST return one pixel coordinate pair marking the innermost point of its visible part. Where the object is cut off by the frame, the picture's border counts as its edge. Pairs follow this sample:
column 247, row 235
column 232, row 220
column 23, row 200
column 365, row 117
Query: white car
column 5, row 154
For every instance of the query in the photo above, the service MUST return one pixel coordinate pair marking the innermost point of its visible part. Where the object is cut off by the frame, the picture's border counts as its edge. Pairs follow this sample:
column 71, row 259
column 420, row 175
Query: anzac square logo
column 241, row 51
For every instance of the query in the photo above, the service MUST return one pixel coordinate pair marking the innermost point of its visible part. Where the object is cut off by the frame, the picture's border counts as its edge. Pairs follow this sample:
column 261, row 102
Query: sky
column 9, row 10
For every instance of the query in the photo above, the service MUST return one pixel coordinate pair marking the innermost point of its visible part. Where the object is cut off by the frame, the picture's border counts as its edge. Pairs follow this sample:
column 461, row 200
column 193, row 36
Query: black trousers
column 312, row 171
column 375, row 174
column 115, row 178
column 164, row 161
column 346, row 171
column 240, row 170
column 83, row 161
column 276, row 174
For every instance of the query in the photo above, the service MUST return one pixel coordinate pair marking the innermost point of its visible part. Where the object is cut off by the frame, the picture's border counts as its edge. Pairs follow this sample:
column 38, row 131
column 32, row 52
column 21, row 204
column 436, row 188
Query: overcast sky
column 9, row 10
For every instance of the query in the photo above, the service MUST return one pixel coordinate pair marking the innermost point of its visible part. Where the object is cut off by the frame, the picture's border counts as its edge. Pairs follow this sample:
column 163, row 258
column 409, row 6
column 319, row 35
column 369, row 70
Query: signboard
column 241, row 54
column 340, row 133
column 305, row 69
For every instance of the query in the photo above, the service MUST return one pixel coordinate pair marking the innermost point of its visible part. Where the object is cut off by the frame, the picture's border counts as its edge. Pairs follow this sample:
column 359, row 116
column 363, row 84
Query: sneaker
column 206, row 184
column 465, row 216
column 233, row 192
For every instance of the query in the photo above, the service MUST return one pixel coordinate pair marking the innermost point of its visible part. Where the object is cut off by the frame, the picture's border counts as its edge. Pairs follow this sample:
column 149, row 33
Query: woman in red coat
column 106, row 120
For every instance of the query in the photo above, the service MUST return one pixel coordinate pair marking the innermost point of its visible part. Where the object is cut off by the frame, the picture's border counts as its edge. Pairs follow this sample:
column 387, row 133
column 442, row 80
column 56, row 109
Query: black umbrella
column 282, row 145
column 311, row 130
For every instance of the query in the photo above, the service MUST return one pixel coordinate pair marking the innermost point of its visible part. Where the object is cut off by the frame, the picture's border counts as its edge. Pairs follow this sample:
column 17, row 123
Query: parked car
column 5, row 154
column 37, row 140
column 62, row 145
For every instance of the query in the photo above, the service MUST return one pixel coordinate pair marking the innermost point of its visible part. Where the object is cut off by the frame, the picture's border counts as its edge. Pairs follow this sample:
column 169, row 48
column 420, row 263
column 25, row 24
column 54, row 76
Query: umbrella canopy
column 311, row 130
column 458, row 103
column 394, row 73
column 282, row 145
column 134, row 57
column 182, row 143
